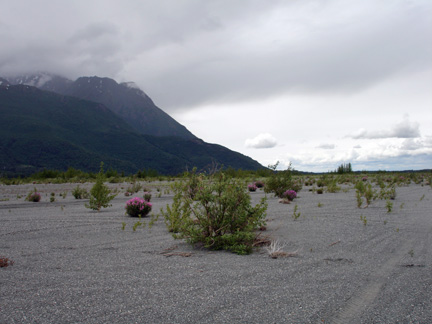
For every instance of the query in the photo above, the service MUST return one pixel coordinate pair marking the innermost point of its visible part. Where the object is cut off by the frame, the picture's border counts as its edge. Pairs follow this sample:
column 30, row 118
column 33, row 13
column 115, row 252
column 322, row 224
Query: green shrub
column 281, row 181
column 100, row 194
column 215, row 211
column 147, row 196
column 332, row 186
column 80, row 193
column 134, row 188
column 364, row 190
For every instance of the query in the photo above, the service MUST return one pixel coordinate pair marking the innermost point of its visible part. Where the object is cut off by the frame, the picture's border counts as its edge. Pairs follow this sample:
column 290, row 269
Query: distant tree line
column 344, row 168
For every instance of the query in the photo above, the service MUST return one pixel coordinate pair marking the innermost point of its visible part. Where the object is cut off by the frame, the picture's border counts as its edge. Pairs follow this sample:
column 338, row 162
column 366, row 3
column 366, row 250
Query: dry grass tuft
column 275, row 251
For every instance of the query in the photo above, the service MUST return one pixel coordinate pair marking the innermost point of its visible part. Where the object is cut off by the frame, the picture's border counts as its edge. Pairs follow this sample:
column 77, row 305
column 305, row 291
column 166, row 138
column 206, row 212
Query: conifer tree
column 100, row 194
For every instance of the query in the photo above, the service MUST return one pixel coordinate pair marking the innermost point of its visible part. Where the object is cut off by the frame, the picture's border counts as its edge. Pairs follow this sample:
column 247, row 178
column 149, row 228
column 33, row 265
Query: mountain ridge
column 41, row 129
column 129, row 102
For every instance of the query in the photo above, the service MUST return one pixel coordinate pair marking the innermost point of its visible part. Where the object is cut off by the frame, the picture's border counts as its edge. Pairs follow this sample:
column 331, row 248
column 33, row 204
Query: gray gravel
column 73, row 265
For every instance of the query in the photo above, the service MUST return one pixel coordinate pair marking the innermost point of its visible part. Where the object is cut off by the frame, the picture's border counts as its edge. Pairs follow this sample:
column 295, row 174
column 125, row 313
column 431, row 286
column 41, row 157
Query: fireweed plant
column 33, row 196
column 215, row 211
column 138, row 207
column 252, row 187
column 290, row 195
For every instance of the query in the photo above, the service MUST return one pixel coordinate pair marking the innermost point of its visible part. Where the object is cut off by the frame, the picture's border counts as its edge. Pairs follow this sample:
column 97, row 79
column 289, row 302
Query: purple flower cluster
column 136, row 207
column 290, row 194
column 34, row 197
column 252, row 187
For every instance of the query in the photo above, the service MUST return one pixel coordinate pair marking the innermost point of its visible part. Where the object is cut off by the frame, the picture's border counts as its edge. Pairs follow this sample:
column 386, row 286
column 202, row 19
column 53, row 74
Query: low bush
column 80, row 193
column 134, row 188
column 218, row 214
column 33, row 196
column 290, row 195
column 138, row 207
column 147, row 196
column 281, row 181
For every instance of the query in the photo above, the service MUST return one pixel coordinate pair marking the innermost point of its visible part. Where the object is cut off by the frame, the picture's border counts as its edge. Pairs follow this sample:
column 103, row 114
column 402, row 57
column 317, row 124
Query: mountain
column 42, row 129
column 124, row 99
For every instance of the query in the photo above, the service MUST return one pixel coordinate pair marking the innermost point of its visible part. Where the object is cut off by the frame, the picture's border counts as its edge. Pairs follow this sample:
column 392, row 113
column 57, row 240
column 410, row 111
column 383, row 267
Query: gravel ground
column 74, row 265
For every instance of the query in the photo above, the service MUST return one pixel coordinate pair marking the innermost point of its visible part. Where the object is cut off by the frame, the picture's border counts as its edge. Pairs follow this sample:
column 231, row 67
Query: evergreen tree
column 100, row 194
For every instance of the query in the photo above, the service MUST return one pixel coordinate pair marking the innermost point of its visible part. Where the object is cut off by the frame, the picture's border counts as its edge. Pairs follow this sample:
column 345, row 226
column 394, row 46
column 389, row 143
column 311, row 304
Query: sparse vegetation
column 134, row 187
column 389, row 206
column 147, row 196
column 281, row 181
column 100, row 194
column 34, row 196
column 215, row 211
column 296, row 214
column 80, row 193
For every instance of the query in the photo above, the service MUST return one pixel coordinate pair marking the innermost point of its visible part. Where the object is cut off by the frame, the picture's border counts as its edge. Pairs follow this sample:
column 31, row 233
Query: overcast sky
column 317, row 83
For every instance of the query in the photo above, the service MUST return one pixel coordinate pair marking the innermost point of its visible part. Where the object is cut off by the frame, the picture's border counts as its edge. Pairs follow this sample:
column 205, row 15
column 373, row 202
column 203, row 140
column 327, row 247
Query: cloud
column 326, row 146
column 404, row 129
column 219, row 51
column 411, row 144
column 263, row 140
column 93, row 32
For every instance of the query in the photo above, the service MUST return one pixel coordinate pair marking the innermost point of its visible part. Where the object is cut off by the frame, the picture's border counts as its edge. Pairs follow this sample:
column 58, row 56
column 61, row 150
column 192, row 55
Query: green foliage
column 296, row 214
column 147, row 196
column 135, row 187
column 80, row 193
column 100, row 194
column 364, row 190
column 281, row 181
column 215, row 211
column 387, row 192
column 359, row 199
column 332, row 186
column 389, row 206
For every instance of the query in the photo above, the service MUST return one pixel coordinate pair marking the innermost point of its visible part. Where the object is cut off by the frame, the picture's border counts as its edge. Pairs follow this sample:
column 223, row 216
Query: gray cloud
column 191, row 52
column 411, row 144
column 404, row 129
column 94, row 32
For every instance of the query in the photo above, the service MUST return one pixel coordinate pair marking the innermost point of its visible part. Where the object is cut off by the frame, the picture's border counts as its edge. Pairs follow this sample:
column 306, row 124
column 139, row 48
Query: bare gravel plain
column 74, row 265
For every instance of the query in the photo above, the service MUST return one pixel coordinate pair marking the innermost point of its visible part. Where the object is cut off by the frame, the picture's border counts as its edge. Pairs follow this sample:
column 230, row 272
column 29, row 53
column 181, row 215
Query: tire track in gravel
column 366, row 296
